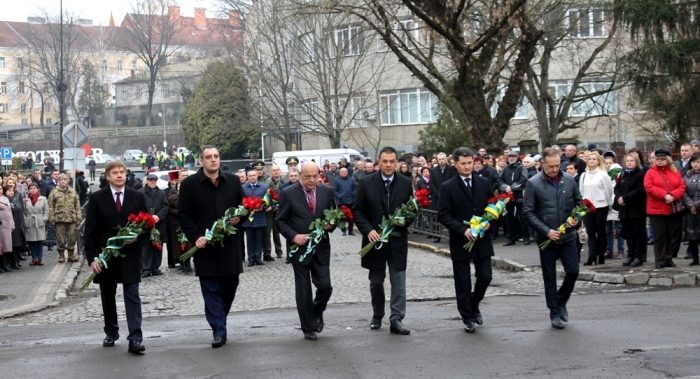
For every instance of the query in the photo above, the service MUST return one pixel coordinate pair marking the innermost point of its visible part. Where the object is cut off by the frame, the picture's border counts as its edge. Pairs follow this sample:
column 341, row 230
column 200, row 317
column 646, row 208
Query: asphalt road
column 649, row 334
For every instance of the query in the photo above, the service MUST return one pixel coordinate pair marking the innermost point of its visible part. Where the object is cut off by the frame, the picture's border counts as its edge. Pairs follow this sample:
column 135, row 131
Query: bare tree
column 151, row 37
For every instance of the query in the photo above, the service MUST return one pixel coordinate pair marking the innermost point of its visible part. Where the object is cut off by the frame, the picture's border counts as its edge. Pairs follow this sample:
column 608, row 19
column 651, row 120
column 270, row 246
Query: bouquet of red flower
column 220, row 229
column 126, row 234
column 252, row 204
column 333, row 217
column 576, row 215
column 495, row 208
column 405, row 213
column 271, row 198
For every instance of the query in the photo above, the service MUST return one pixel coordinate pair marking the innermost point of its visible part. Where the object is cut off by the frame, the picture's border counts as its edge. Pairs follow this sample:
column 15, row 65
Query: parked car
column 163, row 178
column 132, row 155
column 104, row 158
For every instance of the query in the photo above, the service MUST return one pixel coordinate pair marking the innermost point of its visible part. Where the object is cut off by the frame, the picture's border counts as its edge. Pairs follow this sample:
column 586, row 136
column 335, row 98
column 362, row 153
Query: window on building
column 104, row 65
column 306, row 52
column 23, row 108
column 520, row 113
column 586, row 23
column 3, row 88
column 304, row 114
column 44, row 64
column 105, row 89
column 165, row 90
column 409, row 106
column 348, row 40
column 591, row 99
column 3, row 108
column 49, row 121
column 20, row 65
column 21, row 88
column 25, row 121
column 47, row 106
column 351, row 109
column 139, row 92
column 125, row 94
column 119, row 65
column 2, row 63
column 134, row 65
column 46, row 87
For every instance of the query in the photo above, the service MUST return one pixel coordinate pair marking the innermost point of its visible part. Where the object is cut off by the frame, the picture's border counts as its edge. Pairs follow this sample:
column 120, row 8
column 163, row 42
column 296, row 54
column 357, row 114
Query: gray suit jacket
column 294, row 217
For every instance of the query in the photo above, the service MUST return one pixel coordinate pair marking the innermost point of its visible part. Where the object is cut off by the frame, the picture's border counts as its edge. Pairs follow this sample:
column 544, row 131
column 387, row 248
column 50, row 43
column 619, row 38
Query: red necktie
column 119, row 202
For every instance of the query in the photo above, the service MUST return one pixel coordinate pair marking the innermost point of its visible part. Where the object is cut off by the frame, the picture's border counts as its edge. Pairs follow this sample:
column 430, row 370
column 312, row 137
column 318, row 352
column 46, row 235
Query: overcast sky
column 96, row 10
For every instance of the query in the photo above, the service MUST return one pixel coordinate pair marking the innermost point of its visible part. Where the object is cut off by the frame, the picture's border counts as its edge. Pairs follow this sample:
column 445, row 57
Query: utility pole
column 62, row 90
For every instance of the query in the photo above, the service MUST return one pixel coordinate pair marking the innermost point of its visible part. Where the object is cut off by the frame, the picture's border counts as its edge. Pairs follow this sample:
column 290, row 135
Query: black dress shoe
column 279, row 256
column 251, row 264
column 319, row 322
column 557, row 323
column 109, row 340
column 157, row 273
column 351, row 233
column 259, row 263
column 688, row 256
column 397, row 327
column 526, row 242
column 136, row 347
column 627, row 262
column 509, row 243
column 146, row 274
column 310, row 335
column 670, row 264
column 376, row 323
column 479, row 319
column 218, row 342
column 269, row 258
column 564, row 313
column 659, row 266
column 636, row 263
column 469, row 327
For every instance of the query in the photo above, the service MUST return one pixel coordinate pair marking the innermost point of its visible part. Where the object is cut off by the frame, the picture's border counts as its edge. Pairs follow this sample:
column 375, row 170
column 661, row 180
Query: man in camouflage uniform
column 65, row 214
column 292, row 163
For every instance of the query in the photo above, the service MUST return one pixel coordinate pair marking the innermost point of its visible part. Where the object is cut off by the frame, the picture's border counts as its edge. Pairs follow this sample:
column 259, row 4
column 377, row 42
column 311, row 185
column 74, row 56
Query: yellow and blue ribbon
column 314, row 238
column 477, row 225
column 384, row 237
column 496, row 209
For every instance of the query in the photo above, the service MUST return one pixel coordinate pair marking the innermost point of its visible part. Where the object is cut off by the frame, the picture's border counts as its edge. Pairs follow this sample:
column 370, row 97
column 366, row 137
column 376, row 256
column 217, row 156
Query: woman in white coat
column 36, row 213
column 595, row 185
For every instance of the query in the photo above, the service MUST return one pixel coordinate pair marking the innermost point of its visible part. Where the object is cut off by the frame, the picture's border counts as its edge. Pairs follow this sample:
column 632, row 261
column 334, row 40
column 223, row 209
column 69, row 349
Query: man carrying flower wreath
column 378, row 196
column 549, row 200
column 204, row 199
column 300, row 205
column 108, row 209
column 461, row 198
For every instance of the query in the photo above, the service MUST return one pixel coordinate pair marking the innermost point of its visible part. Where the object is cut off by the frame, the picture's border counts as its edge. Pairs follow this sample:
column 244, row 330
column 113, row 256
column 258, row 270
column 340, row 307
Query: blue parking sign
column 5, row 153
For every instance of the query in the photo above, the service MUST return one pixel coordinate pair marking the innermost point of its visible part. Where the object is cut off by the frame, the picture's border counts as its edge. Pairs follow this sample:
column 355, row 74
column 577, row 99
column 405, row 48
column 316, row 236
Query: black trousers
column 132, row 308
column 513, row 222
column 151, row 257
column 218, row 293
column 634, row 231
column 677, row 236
column 569, row 259
column 597, row 235
column 663, row 237
column 309, row 307
column 271, row 229
column 468, row 301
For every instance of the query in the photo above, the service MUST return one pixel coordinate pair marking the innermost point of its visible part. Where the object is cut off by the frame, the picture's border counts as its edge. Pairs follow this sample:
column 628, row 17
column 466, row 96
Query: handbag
column 676, row 206
column 582, row 235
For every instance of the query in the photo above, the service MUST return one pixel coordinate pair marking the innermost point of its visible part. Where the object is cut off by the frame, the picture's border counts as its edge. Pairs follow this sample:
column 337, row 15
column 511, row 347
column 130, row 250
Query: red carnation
column 347, row 212
column 589, row 205
column 311, row 206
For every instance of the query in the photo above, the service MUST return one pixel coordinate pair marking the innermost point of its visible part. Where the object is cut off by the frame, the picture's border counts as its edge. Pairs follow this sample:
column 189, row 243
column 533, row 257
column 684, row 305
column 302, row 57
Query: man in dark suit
column 157, row 205
column 378, row 195
column 462, row 197
column 302, row 203
column 442, row 172
column 108, row 209
column 204, row 198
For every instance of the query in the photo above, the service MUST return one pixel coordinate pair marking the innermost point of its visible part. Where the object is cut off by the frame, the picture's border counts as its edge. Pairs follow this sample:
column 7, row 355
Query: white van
column 318, row 156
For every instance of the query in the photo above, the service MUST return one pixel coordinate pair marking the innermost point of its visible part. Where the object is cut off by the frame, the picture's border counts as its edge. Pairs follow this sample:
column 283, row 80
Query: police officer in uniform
column 292, row 163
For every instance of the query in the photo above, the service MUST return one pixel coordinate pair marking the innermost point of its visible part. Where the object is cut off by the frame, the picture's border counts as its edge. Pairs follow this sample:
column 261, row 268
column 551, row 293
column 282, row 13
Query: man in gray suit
column 300, row 205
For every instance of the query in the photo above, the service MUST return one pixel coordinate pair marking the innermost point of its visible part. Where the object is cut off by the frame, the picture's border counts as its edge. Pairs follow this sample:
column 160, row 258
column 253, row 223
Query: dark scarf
column 34, row 197
column 152, row 191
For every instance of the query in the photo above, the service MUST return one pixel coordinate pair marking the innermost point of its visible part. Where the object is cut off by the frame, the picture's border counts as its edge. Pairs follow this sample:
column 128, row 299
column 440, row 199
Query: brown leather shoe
column 61, row 256
column 71, row 256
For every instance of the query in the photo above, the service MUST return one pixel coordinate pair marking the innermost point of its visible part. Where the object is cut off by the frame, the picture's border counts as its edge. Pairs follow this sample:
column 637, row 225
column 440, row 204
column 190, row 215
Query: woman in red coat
column 664, row 186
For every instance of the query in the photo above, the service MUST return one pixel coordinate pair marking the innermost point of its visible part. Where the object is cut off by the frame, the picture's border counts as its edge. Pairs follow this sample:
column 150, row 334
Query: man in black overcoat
column 157, row 205
column 204, row 198
column 379, row 195
column 462, row 197
column 108, row 209
column 301, row 205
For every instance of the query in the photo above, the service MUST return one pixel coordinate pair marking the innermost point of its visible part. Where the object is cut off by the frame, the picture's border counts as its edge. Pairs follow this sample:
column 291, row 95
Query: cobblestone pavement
column 429, row 277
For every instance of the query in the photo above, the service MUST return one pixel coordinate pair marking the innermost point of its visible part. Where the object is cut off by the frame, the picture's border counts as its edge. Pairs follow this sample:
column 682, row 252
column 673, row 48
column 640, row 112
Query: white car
column 164, row 179
column 132, row 155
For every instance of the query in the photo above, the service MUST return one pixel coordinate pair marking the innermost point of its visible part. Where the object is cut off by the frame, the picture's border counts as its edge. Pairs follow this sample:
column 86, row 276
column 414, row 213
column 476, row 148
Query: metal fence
column 427, row 223
column 81, row 233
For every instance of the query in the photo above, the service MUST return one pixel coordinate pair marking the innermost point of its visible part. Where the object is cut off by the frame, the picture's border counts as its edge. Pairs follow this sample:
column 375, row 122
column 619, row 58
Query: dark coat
column 630, row 186
column 157, row 205
column 49, row 185
column 369, row 207
column 432, row 191
column 101, row 220
column 437, row 177
column 457, row 204
column 546, row 207
column 294, row 217
column 200, row 204
column 515, row 176
column 344, row 190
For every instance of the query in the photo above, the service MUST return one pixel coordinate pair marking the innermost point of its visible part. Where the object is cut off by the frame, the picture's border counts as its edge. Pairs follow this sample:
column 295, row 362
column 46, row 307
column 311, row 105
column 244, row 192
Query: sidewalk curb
column 60, row 294
column 638, row 278
column 497, row 262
